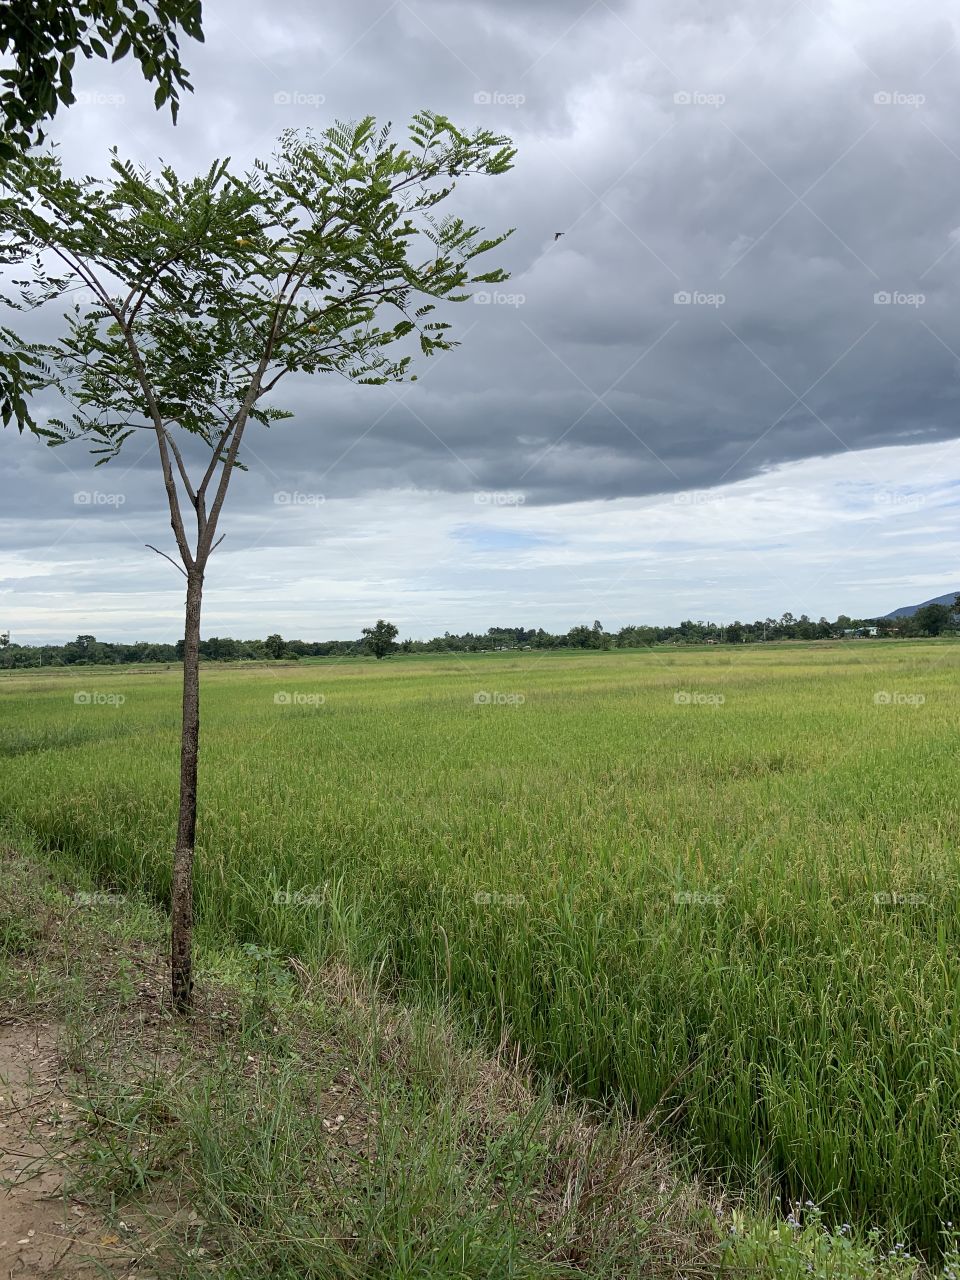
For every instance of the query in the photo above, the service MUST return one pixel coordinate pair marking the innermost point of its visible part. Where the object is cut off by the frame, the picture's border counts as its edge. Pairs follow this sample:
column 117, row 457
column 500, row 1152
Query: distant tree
column 581, row 637
column 84, row 649
column 380, row 638
column 207, row 293
column 934, row 619
column 4, row 639
column 274, row 646
column 219, row 649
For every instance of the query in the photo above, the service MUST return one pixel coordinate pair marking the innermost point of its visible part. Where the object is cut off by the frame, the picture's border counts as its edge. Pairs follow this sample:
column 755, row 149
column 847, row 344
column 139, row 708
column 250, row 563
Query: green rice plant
column 721, row 887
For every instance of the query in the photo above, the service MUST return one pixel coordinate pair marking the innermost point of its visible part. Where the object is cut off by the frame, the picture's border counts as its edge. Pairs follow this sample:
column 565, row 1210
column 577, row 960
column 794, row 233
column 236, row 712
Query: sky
column 730, row 388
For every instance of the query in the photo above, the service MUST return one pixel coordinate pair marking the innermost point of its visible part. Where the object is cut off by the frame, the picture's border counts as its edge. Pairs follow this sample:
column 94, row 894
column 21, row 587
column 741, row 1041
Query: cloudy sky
column 729, row 389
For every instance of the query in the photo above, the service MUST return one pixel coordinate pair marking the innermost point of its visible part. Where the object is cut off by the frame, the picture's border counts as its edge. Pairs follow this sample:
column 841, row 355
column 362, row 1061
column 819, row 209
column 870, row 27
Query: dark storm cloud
column 783, row 167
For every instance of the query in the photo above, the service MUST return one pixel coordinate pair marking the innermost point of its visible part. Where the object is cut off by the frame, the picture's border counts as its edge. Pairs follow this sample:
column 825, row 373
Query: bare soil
column 44, row 1231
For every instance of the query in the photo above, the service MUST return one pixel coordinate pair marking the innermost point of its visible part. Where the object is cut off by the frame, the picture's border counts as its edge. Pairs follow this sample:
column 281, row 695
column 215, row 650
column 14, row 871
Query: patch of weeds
column 805, row 1247
column 268, row 990
column 130, row 1139
column 19, row 938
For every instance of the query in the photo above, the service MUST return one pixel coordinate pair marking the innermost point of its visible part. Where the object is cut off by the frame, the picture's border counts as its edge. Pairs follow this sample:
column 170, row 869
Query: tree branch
column 182, row 469
column 173, row 500
column 178, row 567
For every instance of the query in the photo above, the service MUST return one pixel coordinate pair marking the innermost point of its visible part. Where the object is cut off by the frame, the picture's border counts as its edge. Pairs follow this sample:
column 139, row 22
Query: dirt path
column 43, row 1231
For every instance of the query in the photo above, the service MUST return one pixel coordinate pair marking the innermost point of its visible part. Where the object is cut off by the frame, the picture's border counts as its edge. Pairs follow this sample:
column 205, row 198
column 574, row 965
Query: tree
column 208, row 292
column 380, row 638
column 581, row 637
column 274, row 646
column 220, row 649
column 40, row 43
column 4, row 639
column 85, row 649
column 933, row 619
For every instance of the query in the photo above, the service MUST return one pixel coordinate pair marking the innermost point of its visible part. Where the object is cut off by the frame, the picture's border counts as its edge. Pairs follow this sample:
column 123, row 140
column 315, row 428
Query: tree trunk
column 181, row 906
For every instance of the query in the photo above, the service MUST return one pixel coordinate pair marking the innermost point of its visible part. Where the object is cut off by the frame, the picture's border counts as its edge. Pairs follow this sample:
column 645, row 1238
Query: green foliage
column 496, row 638
column 40, row 41
column 804, row 1247
column 380, row 638
column 274, row 646
column 934, row 619
column 22, row 372
column 203, row 294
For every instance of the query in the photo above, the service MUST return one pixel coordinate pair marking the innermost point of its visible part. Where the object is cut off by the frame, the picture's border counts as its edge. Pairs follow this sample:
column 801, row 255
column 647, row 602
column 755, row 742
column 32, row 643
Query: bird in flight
column 558, row 234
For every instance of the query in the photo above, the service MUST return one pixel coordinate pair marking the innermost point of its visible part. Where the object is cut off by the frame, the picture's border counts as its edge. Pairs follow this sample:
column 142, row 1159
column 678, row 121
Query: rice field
column 721, row 883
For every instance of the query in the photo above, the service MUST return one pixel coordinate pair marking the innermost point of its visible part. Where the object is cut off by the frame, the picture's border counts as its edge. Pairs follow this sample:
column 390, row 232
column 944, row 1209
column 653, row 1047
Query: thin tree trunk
column 181, row 906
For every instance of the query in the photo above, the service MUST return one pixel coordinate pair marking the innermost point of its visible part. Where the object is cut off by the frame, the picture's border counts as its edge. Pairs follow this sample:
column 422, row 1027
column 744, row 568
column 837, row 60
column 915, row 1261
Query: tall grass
column 742, row 913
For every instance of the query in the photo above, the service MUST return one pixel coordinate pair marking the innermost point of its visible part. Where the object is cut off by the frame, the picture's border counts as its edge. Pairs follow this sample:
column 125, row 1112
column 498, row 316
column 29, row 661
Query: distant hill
column 909, row 610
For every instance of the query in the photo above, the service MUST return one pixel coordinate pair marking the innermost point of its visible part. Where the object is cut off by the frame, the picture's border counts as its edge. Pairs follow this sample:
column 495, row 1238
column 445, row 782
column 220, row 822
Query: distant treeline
column 87, row 650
